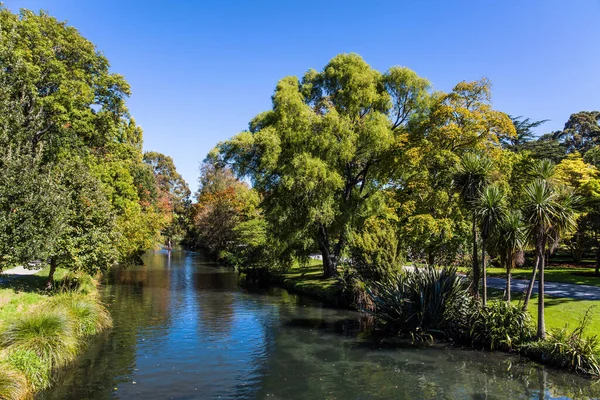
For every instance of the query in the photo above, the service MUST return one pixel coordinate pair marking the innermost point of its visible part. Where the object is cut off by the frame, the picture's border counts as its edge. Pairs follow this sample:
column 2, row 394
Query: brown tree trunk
column 530, row 286
column 483, row 270
column 50, row 281
column 329, row 267
column 597, row 272
column 476, row 277
column 541, row 320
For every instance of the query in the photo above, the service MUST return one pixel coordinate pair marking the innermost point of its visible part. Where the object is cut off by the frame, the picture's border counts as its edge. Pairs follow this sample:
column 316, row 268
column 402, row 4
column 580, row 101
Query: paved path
column 7, row 274
column 553, row 289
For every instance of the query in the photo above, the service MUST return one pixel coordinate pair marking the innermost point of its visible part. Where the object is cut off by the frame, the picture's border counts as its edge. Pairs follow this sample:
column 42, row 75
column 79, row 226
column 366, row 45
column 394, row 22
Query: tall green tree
column 490, row 209
column 549, row 214
column 89, row 239
column 524, row 132
column 509, row 241
column 581, row 132
column 474, row 173
column 32, row 212
column 61, row 83
column 318, row 156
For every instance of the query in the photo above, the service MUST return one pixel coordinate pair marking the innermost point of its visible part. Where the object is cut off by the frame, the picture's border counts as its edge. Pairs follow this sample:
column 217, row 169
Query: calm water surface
column 184, row 329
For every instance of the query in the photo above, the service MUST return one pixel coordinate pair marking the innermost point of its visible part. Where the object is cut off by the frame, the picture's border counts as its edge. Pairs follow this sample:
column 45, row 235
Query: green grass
column 41, row 330
column 580, row 275
column 560, row 312
column 308, row 280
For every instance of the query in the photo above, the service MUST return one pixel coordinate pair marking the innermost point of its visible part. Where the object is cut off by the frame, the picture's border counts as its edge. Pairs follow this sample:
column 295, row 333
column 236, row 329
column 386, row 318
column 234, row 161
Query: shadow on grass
column 23, row 283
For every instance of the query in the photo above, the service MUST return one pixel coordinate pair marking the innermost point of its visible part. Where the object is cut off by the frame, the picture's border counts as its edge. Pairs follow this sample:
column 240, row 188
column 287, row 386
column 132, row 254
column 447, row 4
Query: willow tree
column 323, row 150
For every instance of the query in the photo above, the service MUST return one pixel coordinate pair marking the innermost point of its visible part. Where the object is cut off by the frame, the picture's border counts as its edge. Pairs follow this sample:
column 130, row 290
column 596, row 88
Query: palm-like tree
column 549, row 213
column 541, row 170
column 472, row 176
column 509, row 240
column 490, row 209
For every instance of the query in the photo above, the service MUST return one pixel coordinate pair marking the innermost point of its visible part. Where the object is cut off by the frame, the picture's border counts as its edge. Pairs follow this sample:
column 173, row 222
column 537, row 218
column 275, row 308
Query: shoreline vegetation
column 43, row 331
column 569, row 321
column 78, row 194
column 374, row 170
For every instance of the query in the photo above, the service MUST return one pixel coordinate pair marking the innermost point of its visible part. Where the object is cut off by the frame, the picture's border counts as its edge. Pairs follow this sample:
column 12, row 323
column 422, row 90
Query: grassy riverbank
column 42, row 331
column 308, row 280
column 563, row 320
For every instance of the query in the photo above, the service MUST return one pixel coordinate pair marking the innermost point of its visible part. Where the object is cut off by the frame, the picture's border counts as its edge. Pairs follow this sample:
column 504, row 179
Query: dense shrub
column 419, row 300
column 571, row 350
column 501, row 325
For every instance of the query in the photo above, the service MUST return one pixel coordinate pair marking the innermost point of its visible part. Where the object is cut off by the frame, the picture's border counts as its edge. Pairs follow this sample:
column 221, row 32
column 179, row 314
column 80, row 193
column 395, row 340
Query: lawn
column 309, row 280
column 560, row 312
column 20, row 293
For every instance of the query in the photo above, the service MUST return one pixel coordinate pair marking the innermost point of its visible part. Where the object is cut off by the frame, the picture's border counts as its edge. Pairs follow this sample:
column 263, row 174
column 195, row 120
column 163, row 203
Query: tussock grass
column 41, row 331
column 89, row 316
column 13, row 384
column 49, row 335
column 32, row 367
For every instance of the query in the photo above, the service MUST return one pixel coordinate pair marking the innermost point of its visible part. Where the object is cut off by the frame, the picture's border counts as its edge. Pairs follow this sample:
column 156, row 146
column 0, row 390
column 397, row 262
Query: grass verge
column 42, row 331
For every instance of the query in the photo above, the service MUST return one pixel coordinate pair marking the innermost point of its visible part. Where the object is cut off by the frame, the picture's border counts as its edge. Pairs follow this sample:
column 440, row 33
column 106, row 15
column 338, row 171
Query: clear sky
column 200, row 70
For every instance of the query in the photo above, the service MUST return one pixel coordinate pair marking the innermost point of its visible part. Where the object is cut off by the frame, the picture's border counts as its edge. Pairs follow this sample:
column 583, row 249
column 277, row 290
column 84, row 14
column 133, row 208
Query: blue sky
column 200, row 71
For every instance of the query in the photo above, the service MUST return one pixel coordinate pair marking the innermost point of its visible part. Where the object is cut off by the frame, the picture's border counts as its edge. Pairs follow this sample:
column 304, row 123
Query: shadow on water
column 184, row 329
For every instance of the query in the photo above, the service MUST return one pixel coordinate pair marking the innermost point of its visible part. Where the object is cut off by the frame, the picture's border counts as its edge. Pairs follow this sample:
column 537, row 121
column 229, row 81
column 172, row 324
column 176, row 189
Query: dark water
column 184, row 329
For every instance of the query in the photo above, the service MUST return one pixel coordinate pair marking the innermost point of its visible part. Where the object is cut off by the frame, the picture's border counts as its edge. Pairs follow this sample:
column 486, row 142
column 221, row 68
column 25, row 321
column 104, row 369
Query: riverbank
column 309, row 281
column 42, row 331
column 563, row 315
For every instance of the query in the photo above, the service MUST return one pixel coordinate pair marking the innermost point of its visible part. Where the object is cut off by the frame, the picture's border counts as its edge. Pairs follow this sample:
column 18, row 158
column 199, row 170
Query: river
column 185, row 329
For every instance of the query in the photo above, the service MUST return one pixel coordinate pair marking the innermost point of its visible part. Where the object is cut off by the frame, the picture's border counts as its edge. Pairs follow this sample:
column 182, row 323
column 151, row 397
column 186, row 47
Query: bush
column 89, row 317
column 79, row 282
column 501, row 325
column 13, row 385
column 49, row 335
column 418, row 300
column 570, row 350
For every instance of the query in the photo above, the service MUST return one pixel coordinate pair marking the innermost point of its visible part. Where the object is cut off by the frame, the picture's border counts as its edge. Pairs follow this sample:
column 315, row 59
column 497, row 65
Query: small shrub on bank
column 49, row 335
column 88, row 316
column 571, row 350
column 420, row 300
column 78, row 282
column 13, row 385
column 501, row 325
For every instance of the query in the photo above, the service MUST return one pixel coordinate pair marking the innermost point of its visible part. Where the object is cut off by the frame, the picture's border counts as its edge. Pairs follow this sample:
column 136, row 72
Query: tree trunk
column 530, row 286
column 541, row 320
column 476, row 277
column 329, row 267
column 597, row 272
column 508, row 279
column 50, row 281
column 483, row 270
